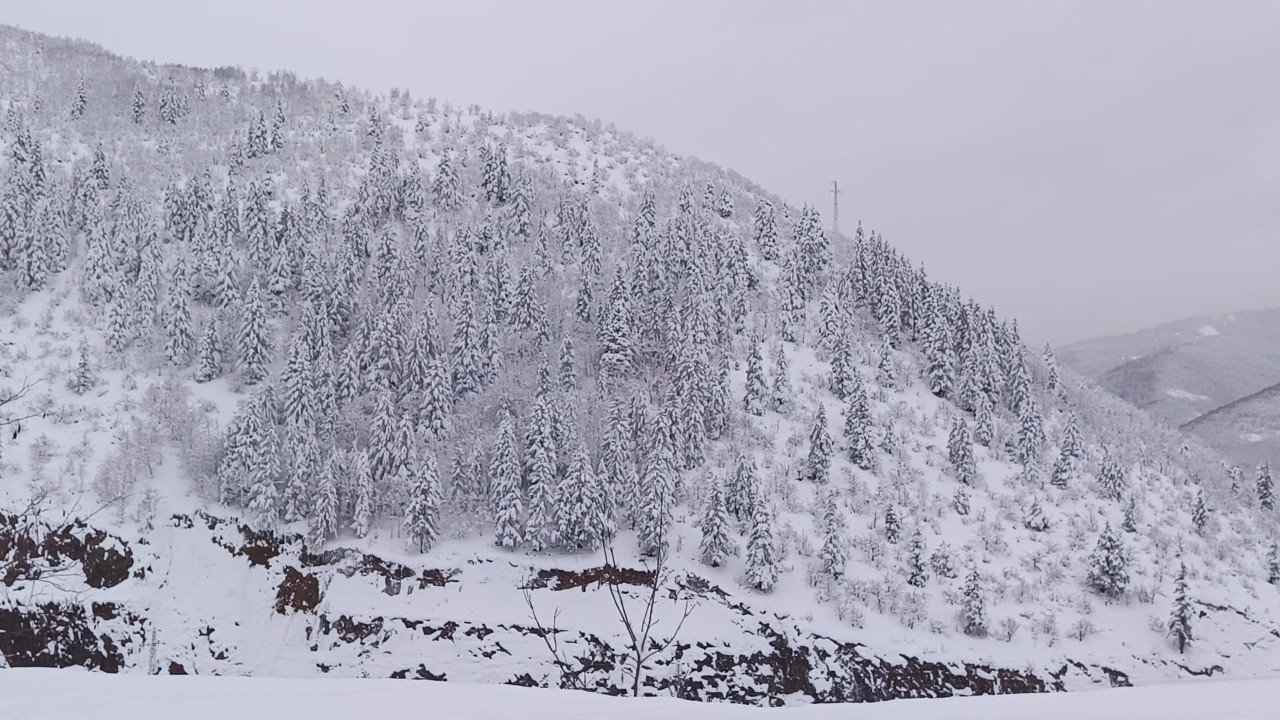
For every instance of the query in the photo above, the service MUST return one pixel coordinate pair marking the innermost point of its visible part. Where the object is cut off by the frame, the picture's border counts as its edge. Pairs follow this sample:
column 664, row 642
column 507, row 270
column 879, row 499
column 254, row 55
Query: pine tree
column 1111, row 480
column 885, row 374
column 857, row 425
column 657, row 490
column 254, row 340
column 1273, row 564
column 1129, row 523
column 984, row 423
column 832, row 553
column 388, row 451
column 892, row 525
column 540, row 476
column 842, row 369
column 960, row 501
column 715, row 546
column 437, row 398
column 1266, row 488
column 766, row 230
column 781, row 391
column 1062, row 470
column 762, row 569
column 324, row 516
column 504, row 479
column 262, row 463
column 941, row 563
column 960, row 452
column 1180, row 618
column 973, row 607
column 139, row 106
column 1071, row 443
column 756, row 398
column 210, row 353
column 178, row 337
column 421, row 520
column 817, row 467
column 940, row 366
column 742, row 489
column 1030, row 432
column 1199, row 513
column 568, row 365
column 363, row 512
column 82, row 379
column 917, row 575
column 79, row 101
column 1108, row 567
column 577, row 504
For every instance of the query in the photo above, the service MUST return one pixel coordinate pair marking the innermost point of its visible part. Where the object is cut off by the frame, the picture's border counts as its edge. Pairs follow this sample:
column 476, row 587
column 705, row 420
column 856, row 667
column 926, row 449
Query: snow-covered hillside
column 325, row 383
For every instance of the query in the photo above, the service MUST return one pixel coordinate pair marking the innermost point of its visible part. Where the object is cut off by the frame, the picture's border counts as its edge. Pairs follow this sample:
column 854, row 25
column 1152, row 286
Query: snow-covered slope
column 71, row 695
column 321, row 382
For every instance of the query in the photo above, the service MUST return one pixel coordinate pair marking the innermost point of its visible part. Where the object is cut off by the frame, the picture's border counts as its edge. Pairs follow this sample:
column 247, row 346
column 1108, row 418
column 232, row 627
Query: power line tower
column 835, row 207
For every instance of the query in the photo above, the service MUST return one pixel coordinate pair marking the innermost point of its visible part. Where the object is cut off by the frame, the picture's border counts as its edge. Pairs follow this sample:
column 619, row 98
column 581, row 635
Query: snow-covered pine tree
column 984, row 423
column 780, row 393
column 973, row 606
column 82, row 379
column 657, row 490
column 362, row 515
column 817, row 466
column 762, row 563
column 1030, row 431
column 1062, row 471
column 1111, row 480
column 263, row 464
column 1180, row 617
column 1129, row 523
column 756, row 399
column 419, row 474
column 741, row 488
column 1273, row 564
column 766, row 230
column 1108, row 566
column 715, row 546
column 886, row 374
column 960, row 452
column 254, row 340
column 1266, row 487
column 842, row 368
column 857, row 424
column 892, row 525
column 209, row 353
column 1199, row 513
column 323, row 517
column 504, row 481
column 139, row 106
column 941, row 563
column 917, row 575
column 577, row 524
column 832, row 553
column 1072, row 446
column 541, row 477
column 939, row 365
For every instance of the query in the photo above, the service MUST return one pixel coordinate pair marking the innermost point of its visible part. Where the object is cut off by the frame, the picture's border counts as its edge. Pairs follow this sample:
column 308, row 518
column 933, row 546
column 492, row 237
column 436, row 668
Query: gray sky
column 1088, row 167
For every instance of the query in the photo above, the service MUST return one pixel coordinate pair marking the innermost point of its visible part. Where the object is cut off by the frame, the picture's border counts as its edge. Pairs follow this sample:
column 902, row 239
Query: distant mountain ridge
column 1212, row 375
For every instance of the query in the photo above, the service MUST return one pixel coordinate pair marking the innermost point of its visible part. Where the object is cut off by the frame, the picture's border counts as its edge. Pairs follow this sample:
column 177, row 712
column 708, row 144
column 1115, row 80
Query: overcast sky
column 1089, row 168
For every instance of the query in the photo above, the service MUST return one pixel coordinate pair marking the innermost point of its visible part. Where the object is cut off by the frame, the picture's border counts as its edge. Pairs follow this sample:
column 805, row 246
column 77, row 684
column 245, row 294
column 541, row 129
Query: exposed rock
column 298, row 592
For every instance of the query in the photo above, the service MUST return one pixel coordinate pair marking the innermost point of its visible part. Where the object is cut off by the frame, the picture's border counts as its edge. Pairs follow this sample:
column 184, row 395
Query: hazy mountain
column 321, row 382
column 1181, row 370
column 1247, row 430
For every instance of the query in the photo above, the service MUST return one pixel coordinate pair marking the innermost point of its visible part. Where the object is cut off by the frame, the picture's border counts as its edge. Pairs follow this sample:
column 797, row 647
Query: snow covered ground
column 72, row 694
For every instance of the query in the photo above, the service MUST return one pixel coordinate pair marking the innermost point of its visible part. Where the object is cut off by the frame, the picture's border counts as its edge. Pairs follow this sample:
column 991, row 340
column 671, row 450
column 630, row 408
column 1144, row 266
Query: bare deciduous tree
column 638, row 622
